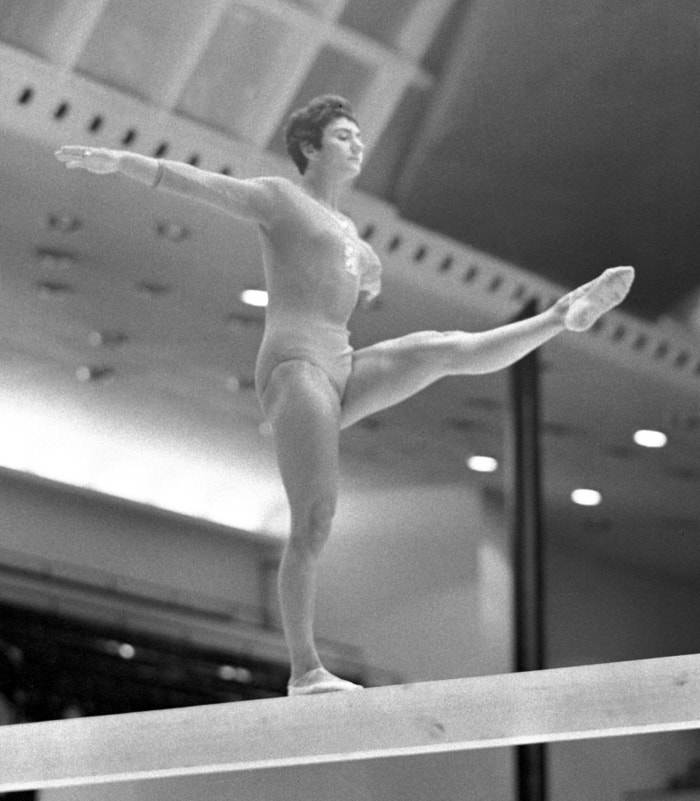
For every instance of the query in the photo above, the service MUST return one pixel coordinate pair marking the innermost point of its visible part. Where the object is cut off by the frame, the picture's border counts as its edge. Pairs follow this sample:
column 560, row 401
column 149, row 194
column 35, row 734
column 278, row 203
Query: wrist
column 140, row 168
column 121, row 159
column 160, row 167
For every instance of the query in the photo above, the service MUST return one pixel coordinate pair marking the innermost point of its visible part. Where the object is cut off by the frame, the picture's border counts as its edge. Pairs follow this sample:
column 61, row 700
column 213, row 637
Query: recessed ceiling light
column 254, row 297
column 153, row 288
column 227, row 672
column 231, row 673
column 87, row 373
column 54, row 287
column 107, row 339
column 586, row 497
column 52, row 259
column 482, row 464
column 65, row 223
column 126, row 651
column 174, row 232
column 650, row 439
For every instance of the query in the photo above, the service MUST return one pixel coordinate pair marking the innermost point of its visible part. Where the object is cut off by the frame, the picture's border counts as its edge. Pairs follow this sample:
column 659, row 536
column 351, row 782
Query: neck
column 323, row 189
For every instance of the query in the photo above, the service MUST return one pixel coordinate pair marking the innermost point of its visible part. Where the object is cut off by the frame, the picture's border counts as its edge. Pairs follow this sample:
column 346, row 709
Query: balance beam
column 607, row 700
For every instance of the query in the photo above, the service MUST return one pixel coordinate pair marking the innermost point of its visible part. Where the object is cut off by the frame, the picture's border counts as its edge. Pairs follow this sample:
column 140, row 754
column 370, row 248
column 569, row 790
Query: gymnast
column 309, row 380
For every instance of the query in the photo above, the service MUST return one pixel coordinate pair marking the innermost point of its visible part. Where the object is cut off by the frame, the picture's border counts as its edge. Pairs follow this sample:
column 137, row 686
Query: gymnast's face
column 341, row 149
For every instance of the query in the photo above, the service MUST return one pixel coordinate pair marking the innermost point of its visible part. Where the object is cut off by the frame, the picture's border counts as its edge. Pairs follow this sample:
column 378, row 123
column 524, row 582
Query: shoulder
column 274, row 184
column 287, row 200
column 278, row 191
column 268, row 194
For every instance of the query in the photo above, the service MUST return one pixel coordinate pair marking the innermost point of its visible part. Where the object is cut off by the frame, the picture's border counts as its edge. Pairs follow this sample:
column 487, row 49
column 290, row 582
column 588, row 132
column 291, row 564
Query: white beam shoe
column 592, row 300
column 320, row 681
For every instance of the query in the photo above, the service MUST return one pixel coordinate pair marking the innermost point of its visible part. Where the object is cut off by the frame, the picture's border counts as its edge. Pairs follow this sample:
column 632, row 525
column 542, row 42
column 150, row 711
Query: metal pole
column 527, row 532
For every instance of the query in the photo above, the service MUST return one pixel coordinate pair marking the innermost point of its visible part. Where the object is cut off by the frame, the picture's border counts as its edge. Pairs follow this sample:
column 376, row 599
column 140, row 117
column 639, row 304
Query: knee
column 454, row 346
column 311, row 526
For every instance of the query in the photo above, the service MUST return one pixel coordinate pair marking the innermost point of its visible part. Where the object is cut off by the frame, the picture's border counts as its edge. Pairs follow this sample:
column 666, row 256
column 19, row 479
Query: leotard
column 314, row 291
column 316, row 266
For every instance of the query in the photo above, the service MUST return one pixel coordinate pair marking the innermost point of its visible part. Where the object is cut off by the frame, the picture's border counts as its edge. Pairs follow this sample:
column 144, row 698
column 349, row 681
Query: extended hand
column 99, row 160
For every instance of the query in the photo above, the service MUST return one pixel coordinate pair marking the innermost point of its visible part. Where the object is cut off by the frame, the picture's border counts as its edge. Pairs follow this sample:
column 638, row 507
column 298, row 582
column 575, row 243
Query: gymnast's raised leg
column 389, row 372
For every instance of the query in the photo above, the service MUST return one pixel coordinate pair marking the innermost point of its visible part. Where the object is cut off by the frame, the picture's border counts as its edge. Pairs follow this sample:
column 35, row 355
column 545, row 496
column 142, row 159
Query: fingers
column 78, row 157
column 71, row 162
column 98, row 160
column 73, row 152
column 76, row 153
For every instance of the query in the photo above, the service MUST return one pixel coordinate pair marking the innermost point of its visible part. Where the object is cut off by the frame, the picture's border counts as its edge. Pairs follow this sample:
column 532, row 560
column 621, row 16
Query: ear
column 309, row 150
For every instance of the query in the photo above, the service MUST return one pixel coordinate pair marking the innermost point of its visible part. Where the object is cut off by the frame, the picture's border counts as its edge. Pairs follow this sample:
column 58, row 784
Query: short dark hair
column 306, row 125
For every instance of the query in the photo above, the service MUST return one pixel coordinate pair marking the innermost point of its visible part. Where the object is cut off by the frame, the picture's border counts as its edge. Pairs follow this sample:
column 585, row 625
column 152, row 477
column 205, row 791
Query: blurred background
column 514, row 150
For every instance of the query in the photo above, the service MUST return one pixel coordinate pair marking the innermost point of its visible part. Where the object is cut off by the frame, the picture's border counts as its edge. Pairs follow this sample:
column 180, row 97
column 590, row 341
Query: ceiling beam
column 592, row 701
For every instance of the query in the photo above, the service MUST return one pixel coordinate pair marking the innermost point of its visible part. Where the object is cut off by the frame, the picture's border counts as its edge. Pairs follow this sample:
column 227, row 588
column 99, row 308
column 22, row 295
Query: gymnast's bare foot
column 319, row 681
column 582, row 307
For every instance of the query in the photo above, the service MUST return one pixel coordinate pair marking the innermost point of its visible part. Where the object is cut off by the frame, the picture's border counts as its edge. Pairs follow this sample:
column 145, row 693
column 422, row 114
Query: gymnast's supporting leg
column 389, row 372
column 303, row 408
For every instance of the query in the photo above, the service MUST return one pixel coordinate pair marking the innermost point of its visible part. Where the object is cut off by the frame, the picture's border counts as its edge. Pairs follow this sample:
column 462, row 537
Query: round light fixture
column 648, row 438
column 254, row 297
column 482, row 464
column 586, row 497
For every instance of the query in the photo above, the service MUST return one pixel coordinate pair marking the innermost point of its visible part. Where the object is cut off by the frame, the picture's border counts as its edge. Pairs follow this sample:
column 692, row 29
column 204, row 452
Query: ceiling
column 564, row 138
column 121, row 319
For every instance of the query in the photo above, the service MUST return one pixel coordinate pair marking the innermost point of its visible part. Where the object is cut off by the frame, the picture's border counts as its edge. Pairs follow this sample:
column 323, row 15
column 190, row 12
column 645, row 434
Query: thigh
column 303, row 408
column 392, row 371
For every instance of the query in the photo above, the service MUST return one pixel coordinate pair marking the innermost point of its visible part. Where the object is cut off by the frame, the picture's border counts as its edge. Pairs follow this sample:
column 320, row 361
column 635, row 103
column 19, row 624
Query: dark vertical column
column 526, row 523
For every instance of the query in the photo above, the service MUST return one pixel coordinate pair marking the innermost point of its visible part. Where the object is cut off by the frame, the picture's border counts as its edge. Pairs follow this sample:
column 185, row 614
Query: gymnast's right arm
column 248, row 199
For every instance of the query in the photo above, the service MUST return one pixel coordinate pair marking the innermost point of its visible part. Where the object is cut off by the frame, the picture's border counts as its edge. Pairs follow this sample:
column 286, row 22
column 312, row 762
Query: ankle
column 301, row 668
column 556, row 314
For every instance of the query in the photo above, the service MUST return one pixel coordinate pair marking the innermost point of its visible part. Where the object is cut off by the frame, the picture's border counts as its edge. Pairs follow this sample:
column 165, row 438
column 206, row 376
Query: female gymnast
column 309, row 380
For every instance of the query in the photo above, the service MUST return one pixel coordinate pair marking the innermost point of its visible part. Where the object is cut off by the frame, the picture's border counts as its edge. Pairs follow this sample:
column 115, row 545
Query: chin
column 350, row 173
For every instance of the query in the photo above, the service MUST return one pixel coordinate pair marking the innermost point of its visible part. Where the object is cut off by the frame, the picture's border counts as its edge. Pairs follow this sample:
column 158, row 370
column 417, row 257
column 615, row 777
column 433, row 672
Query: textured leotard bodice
column 323, row 266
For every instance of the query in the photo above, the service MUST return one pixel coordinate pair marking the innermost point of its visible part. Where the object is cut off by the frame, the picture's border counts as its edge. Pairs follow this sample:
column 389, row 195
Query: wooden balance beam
column 607, row 700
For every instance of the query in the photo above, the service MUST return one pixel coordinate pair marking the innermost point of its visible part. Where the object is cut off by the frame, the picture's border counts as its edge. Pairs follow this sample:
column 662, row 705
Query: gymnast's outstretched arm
column 249, row 199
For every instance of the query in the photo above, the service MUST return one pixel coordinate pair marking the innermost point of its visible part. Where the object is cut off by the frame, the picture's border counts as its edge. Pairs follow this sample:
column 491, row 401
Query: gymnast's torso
column 316, row 267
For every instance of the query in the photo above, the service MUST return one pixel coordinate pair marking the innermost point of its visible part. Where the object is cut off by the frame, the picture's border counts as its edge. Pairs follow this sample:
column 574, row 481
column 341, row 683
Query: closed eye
column 346, row 134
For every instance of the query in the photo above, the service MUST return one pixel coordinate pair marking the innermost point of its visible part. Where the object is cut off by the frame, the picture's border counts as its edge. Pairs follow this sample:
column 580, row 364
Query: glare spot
column 586, row 497
column 127, row 651
column 650, row 439
column 254, row 297
column 482, row 464
column 230, row 673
